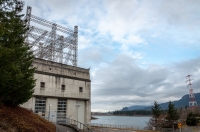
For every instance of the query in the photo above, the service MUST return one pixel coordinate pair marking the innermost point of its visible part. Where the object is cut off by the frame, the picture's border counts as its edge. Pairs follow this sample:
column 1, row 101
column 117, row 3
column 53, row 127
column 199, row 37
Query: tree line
column 162, row 118
column 168, row 118
column 133, row 113
column 171, row 117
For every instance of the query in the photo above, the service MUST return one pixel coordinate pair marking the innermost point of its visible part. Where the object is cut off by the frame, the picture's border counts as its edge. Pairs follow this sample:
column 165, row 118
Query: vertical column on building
column 87, row 112
column 71, row 109
column 33, row 104
column 51, row 109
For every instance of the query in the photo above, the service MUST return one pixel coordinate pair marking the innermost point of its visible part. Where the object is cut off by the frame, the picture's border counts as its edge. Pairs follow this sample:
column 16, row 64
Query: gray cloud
column 110, row 33
column 125, row 82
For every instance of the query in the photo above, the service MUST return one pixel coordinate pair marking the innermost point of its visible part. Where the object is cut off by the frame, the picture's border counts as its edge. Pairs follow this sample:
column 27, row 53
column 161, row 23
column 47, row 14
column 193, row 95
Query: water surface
column 136, row 121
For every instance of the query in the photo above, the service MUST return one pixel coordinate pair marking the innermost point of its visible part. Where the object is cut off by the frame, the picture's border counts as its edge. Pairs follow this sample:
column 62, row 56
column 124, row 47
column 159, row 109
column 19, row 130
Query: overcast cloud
column 138, row 50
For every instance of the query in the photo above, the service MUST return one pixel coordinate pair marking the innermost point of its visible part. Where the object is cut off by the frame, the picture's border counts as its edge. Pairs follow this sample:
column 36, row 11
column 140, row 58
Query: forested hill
column 133, row 113
column 183, row 102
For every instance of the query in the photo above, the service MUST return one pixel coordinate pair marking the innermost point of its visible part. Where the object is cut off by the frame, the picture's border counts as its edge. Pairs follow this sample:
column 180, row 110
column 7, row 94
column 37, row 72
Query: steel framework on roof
column 48, row 44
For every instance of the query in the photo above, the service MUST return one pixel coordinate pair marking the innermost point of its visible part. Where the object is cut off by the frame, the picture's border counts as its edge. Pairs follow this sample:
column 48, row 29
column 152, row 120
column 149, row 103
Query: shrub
column 191, row 119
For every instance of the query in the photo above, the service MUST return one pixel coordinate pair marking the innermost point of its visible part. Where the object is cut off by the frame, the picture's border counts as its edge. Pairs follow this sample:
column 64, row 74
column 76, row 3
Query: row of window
column 40, row 106
column 42, row 85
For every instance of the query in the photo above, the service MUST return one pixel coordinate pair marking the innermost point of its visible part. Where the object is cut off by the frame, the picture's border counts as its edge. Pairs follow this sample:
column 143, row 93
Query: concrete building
column 59, row 89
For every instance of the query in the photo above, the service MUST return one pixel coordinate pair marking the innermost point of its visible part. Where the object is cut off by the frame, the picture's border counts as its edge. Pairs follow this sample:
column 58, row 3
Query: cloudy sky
column 138, row 50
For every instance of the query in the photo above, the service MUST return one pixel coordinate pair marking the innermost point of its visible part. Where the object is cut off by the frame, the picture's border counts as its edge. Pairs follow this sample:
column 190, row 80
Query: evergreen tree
column 156, row 111
column 16, row 73
column 172, row 114
column 192, row 120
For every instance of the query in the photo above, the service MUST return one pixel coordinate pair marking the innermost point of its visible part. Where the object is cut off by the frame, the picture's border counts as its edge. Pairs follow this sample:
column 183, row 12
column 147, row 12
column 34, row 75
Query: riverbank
column 126, row 115
column 101, row 129
column 93, row 118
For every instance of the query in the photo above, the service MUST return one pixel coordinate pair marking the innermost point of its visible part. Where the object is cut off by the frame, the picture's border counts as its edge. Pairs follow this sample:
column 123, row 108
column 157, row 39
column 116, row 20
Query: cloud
column 126, row 84
column 152, row 18
column 139, row 51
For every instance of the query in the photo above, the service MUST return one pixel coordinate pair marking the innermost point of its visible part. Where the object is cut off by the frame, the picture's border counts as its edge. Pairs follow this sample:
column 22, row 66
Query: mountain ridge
column 183, row 102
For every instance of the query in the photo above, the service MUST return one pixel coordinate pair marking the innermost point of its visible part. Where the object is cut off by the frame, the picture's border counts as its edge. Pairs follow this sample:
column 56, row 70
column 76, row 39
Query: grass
column 15, row 119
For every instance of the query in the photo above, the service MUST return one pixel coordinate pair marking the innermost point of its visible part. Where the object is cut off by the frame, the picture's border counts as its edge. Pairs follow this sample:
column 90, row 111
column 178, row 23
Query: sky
column 138, row 51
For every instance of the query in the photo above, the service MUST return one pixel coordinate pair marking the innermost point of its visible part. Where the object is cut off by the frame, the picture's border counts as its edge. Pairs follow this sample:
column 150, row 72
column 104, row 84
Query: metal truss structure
column 192, row 100
column 49, row 45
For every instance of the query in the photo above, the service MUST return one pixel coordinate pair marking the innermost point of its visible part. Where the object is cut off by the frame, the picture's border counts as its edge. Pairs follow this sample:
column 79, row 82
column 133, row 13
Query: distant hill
column 183, row 102
column 135, row 107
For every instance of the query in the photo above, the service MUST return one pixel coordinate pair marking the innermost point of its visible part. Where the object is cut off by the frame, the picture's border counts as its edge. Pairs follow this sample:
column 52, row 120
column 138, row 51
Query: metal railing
column 117, row 126
column 76, row 125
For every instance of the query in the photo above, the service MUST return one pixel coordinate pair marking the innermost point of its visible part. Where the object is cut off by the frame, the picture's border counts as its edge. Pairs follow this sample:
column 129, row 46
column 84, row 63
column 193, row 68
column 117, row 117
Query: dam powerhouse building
column 62, row 89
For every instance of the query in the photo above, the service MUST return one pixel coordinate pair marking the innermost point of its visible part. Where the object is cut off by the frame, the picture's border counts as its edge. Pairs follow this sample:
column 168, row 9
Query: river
column 136, row 121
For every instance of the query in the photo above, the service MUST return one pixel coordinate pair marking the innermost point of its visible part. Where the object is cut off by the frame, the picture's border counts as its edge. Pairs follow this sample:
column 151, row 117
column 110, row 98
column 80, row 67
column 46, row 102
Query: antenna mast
column 192, row 100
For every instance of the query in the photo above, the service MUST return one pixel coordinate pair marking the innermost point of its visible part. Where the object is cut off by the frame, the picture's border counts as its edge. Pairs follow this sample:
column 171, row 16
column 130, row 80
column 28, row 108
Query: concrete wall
column 81, row 111
column 71, row 109
column 53, row 87
column 30, row 104
column 88, row 112
column 61, row 69
column 54, row 75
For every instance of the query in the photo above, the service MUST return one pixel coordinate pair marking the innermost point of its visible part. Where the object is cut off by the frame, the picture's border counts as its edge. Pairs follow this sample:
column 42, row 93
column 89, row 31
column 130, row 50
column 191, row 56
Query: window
column 40, row 105
column 80, row 89
column 61, row 110
column 42, row 84
column 63, row 87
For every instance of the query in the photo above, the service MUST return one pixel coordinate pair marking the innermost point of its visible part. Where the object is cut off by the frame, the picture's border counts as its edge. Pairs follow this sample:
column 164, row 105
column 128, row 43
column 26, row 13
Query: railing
column 76, row 125
column 168, row 130
column 117, row 126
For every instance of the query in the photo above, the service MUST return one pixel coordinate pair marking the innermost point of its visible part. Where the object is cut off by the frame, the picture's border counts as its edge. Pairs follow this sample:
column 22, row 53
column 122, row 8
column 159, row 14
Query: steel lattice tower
column 49, row 45
column 192, row 100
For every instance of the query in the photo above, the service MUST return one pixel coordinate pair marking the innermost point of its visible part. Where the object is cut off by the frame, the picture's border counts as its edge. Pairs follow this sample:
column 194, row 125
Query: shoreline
column 93, row 118
column 125, row 115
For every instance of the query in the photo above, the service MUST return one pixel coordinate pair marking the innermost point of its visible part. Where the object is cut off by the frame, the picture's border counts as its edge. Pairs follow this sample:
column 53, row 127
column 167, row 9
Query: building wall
column 51, row 109
column 77, row 89
column 30, row 104
column 53, row 86
column 81, row 111
column 71, row 109
column 88, row 112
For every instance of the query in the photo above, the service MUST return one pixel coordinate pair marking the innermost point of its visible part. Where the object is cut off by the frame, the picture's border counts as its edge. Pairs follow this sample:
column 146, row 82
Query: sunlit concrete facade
column 58, row 89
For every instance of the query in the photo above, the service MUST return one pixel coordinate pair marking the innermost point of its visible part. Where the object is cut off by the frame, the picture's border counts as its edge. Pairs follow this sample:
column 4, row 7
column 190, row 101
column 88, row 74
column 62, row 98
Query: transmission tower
column 192, row 100
column 48, row 44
